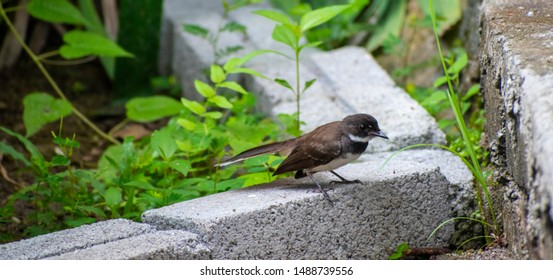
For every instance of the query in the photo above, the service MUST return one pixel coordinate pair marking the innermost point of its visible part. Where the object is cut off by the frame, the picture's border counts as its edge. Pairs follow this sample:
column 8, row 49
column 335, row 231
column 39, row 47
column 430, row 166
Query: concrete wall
column 517, row 78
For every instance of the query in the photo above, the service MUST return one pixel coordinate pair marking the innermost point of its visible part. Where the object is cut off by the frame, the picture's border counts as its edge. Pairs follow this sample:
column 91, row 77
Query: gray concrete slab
column 158, row 245
column 402, row 202
column 72, row 239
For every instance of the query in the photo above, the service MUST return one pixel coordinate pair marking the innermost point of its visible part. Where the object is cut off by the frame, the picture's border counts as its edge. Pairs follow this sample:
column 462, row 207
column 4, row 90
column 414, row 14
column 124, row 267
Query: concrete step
column 404, row 201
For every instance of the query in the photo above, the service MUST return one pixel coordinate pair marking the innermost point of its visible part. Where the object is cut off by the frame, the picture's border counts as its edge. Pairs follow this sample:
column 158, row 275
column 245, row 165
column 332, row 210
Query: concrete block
column 517, row 71
column 158, row 245
column 69, row 240
column 403, row 202
column 174, row 12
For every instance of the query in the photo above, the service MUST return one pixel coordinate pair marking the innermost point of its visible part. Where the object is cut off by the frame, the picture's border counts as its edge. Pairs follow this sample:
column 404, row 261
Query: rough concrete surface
column 158, row 245
column 517, row 71
column 72, row 239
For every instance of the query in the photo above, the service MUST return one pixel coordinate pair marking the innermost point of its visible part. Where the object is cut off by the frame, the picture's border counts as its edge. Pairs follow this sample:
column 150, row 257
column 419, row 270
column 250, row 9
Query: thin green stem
column 454, row 102
column 53, row 83
column 298, row 87
column 15, row 8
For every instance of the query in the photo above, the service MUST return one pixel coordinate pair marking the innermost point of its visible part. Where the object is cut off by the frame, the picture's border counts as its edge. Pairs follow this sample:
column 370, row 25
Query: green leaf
column 193, row 106
column 459, row 64
column 233, row 26
column 465, row 106
column 311, row 44
column 474, row 89
column 230, row 184
column 36, row 156
column 213, row 115
column 141, row 185
column 221, row 102
column 85, row 43
column 440, row 81
column 400, row 250
column 80, row 221
column 234, row 86
column 152, row 108
column 182, row 166
column 274, row 16
column 7, row 149
column 320, row 16
column 217, row 74
column 255, row 179
column 187, row 124
column 162, row 142
column 234, row 62
column 56, row 11
column 40, row 108
column 90, row 14
column 389, row 22
column 66, row 142
column 204, row 89
column 284, row 83
column 195, row 30
column 308, row 84
column 113, row 196
column 59, row 160
column 248, row 71
column 286, row 35
column 92, row 209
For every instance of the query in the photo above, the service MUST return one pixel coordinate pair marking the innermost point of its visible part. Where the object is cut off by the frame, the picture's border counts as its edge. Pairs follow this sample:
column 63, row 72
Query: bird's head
column 361, row 128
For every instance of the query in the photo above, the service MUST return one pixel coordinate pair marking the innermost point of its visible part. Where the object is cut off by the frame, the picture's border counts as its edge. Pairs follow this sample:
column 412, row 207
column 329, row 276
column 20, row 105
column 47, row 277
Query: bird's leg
column 320, row 188
column 344, row 180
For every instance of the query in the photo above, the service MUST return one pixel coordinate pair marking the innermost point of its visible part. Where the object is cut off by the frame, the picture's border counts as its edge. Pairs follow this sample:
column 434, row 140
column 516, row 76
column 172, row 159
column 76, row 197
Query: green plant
column 58, row 192
column 79, row 43
column 466, row 147
column 174, row 164
column 290, row 32
column 335, row 33
column 399, row 252
column 474, row 164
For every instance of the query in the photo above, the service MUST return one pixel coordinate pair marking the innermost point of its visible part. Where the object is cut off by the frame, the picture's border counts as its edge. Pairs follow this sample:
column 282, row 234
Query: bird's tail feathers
column 271, row 148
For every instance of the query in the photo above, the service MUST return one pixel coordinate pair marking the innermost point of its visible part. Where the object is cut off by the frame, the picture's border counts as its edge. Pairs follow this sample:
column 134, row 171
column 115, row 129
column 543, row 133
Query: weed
column 289, row 33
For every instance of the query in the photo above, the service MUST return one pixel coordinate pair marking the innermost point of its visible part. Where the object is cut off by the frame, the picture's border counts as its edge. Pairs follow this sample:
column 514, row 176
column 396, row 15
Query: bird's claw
column 346, row 182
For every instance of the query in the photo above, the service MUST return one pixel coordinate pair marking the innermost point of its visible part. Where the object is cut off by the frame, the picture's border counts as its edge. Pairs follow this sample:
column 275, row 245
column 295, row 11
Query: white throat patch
column 359, row 139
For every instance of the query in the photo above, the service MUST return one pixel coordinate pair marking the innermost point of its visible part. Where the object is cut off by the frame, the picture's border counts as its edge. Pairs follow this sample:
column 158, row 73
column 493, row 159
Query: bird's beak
column 381, row 134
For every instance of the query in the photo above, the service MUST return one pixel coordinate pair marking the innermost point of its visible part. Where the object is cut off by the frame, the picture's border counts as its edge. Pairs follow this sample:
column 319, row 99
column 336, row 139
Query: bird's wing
column 272, row 148
column 318, row 148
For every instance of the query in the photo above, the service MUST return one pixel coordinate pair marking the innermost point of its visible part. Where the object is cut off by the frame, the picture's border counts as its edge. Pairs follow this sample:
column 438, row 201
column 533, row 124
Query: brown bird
column 326, row 148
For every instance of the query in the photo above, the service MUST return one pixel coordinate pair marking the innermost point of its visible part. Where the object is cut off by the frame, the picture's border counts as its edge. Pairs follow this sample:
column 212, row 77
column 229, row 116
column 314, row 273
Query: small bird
column 326, row 148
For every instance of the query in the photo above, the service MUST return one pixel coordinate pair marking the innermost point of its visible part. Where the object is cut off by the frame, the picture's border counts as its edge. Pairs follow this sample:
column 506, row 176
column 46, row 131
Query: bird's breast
column 336, row 163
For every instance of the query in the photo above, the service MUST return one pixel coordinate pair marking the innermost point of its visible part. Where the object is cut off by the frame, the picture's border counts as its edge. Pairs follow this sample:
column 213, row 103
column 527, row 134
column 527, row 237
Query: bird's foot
column 346, row 182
